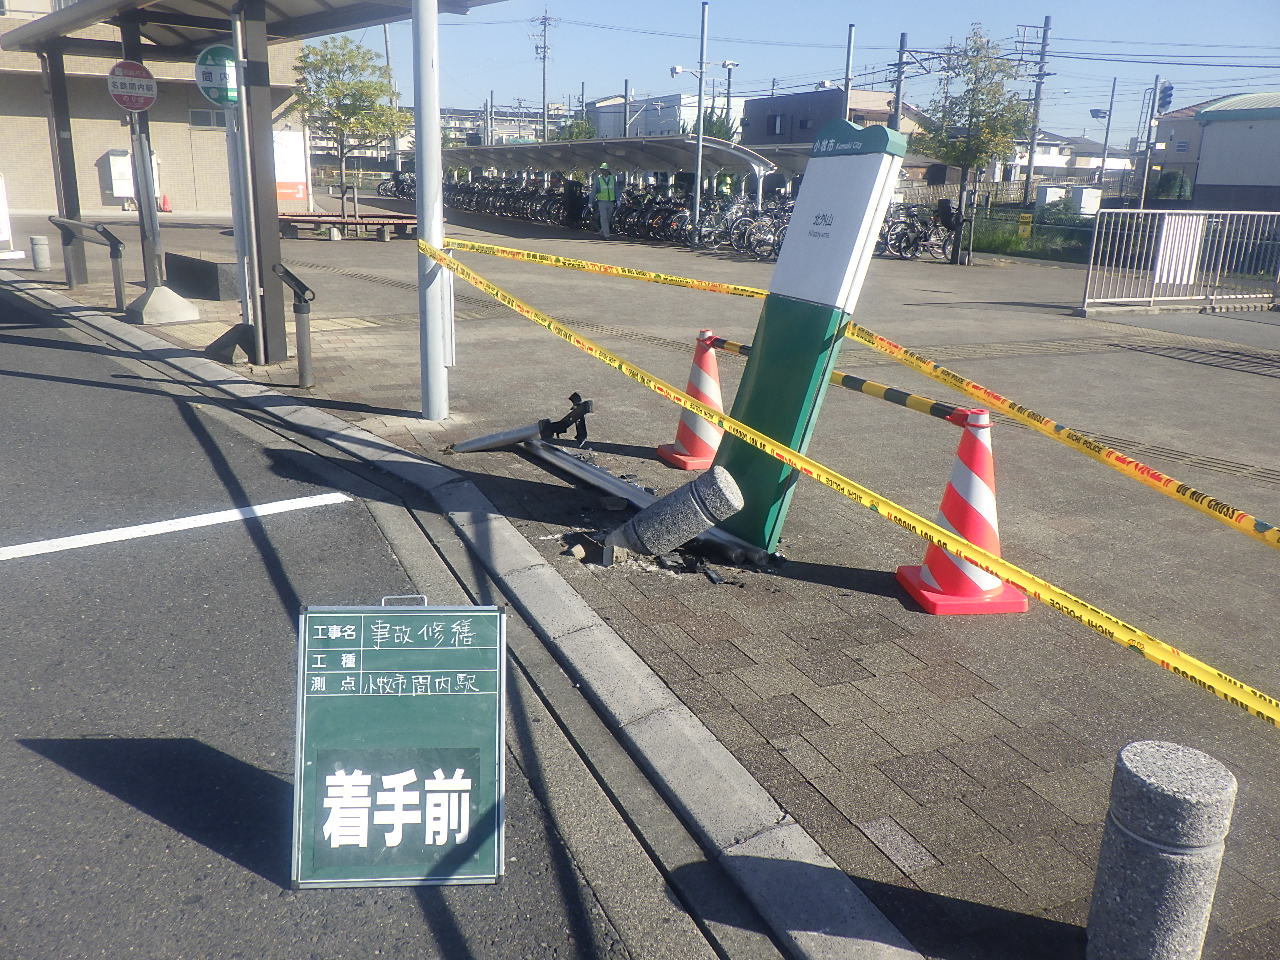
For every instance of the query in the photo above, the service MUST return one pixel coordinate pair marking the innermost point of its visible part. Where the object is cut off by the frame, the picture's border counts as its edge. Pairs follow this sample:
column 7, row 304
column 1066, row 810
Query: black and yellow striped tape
column 1252, row 701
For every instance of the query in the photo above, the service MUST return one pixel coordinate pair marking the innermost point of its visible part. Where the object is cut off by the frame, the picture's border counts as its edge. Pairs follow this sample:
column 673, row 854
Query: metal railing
column 1207, row 257
column 74, row 230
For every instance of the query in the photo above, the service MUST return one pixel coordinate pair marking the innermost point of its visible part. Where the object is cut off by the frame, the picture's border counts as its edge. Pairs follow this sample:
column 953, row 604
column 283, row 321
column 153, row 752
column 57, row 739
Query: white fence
column 1207, row 257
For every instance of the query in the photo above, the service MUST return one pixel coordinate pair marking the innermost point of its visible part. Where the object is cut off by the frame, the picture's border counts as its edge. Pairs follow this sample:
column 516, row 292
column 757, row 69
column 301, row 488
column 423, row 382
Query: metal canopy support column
column 262, row 182
column 434, row 291
column 143, row 169
column 64, row 160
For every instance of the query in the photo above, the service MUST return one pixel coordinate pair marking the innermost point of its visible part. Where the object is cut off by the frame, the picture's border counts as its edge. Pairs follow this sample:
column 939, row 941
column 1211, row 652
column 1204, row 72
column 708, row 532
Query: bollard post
column 302, row 297
column 680, row 516
column 1161, row 851
column 115, row 247
column 41, row 262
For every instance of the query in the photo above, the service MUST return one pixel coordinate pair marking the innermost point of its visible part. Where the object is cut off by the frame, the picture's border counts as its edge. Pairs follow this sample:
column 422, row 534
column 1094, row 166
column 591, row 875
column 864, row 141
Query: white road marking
column 167, row 526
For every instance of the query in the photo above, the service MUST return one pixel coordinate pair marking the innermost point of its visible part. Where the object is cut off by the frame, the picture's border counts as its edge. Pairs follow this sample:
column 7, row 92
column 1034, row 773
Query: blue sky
column 1230, row 46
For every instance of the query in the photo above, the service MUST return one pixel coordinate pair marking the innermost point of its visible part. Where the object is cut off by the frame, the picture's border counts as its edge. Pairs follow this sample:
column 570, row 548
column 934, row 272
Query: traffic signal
column 1165, row 100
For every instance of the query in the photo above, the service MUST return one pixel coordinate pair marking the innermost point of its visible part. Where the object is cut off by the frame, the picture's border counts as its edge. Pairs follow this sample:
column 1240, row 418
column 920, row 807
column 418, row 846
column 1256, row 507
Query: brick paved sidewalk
column 957, row 768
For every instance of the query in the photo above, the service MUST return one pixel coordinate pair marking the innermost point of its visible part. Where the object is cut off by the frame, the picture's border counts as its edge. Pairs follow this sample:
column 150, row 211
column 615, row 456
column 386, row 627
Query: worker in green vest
column 605, row 193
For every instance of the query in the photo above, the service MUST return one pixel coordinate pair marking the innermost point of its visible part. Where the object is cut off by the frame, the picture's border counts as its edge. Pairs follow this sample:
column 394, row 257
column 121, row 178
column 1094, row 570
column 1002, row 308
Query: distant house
column 797, row 117
column 1240, row 141
column 1060, row 157
column 1177, row 140
column 654, row 116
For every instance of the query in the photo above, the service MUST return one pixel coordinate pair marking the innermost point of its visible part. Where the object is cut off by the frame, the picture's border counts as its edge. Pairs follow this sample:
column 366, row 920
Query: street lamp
column 728, row 87
column 697, row 164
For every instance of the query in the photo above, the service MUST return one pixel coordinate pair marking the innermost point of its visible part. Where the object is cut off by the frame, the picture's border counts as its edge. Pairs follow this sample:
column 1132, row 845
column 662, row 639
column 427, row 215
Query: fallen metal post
column 732, row 548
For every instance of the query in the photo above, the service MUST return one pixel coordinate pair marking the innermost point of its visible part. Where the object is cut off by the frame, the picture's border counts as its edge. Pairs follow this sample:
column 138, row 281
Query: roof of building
column 1242, row 106
column 1187, row 112
column 635, row 153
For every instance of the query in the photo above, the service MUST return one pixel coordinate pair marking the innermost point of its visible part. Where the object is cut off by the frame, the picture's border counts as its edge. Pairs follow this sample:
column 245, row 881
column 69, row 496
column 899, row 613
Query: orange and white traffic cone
column 945, row 583
column 164, row 204
column 696, row 439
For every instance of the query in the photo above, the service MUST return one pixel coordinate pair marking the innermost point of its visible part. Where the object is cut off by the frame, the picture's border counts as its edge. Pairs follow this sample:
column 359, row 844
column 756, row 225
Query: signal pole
column 1151, row 124
column 1035, row 113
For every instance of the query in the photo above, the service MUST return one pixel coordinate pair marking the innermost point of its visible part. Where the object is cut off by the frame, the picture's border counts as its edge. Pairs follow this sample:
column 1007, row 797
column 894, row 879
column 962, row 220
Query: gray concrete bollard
column 41, row 262
column 681, row 515
column 1161, row 851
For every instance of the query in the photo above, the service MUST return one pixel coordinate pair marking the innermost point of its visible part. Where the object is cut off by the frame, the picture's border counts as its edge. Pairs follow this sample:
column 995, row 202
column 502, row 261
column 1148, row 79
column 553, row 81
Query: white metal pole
column 245, row 172
column 238, row 229
column 1106, row 137
column 697, row 164
column 434, row 295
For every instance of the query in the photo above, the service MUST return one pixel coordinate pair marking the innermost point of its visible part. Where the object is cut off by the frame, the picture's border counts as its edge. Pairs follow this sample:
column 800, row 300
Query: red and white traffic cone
column 164, row 204
column 945, row 583
column 696, row 439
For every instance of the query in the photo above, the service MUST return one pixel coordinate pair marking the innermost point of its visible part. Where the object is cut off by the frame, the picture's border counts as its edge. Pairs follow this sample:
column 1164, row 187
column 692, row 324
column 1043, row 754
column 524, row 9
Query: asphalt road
column 148, row 692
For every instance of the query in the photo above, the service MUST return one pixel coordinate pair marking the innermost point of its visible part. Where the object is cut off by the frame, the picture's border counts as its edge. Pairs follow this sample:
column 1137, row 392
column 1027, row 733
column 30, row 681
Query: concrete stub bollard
column 1161, row 851
column 40, row 259
column 679, row 516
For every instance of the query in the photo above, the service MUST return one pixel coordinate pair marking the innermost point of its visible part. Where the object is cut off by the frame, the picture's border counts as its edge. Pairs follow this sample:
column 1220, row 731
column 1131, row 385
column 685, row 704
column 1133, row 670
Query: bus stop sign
column 132, row 86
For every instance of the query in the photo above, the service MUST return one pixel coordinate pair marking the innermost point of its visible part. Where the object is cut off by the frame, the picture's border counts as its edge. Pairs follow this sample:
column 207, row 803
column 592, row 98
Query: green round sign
column 216, row 75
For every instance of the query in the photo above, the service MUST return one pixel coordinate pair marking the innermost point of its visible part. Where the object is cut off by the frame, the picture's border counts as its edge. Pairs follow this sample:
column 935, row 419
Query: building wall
column 655, row 116
column 1175, row 132
column 192, row 160
column 1241, row 153
column 797, row 117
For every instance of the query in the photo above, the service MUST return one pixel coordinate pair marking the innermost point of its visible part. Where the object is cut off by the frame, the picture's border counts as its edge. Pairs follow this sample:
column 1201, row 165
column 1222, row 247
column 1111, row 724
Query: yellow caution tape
column 1245, row 697
column 609, row 270
column 1220, row 510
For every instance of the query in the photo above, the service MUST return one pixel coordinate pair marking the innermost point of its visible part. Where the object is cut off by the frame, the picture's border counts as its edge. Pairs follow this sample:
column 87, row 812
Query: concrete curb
column 810, row 904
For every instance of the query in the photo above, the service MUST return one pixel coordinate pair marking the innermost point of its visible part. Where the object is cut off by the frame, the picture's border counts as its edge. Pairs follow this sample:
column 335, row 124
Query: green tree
column 579, row 129
column 973, row 119
column 1172, row 185
column 714, row 124
column 340, row 90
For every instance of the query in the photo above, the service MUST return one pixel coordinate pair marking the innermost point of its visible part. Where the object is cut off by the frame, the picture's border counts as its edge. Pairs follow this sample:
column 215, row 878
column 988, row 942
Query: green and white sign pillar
column 847, row 186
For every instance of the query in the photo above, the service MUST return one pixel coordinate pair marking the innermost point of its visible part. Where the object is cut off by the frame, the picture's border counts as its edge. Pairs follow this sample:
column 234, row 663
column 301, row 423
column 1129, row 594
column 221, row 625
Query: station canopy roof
column 179, row 29
column 629, row 153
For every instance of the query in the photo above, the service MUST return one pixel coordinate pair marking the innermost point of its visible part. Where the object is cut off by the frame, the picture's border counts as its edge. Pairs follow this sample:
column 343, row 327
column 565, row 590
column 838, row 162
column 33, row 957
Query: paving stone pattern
column 957, row 768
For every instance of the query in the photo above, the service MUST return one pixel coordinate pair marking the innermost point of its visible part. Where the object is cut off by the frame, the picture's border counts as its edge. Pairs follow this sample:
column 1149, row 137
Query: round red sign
column 132, row 86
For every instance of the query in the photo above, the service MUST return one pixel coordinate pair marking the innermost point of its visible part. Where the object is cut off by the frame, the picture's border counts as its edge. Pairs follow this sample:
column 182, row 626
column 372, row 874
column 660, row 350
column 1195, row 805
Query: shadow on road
column 939, row 926
column 229, row 806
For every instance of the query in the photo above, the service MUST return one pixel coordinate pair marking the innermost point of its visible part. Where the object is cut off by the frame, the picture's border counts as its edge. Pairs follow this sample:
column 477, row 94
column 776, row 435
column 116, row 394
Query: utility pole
column 848, row 71
column 626, row 108
column 582, row 99
column 1151, row 125
column 1106, row 137
column 895, row 118
column 773, row 88
column 541, row 50
column 1035, row 113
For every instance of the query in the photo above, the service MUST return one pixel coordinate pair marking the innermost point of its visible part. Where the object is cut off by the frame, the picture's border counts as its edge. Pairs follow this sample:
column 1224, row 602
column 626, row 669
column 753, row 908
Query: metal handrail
column 72, row 230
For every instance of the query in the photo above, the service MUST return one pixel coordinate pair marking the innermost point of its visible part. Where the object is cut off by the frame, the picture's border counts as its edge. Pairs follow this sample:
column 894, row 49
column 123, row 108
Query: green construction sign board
column 399, row 762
